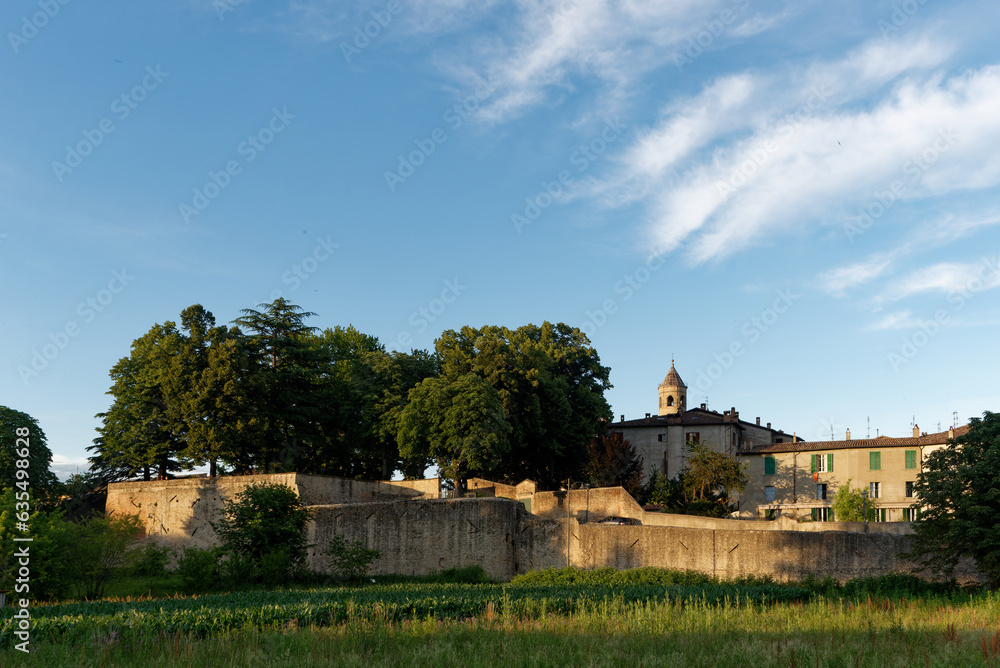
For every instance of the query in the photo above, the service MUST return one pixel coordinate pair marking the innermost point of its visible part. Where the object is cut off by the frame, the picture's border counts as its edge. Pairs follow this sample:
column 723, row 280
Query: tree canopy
column 40, row 478
column 959, row 494
column 612, row 460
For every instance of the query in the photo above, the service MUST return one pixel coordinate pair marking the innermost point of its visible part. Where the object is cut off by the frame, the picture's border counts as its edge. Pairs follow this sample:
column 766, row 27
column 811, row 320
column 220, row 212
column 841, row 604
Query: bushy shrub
column 262, row 520
column 350, row 560
column 151, row 561
column 198, row 568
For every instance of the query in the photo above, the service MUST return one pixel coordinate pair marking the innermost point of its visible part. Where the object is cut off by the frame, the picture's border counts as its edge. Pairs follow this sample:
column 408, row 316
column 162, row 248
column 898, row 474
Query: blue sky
column 798, row 201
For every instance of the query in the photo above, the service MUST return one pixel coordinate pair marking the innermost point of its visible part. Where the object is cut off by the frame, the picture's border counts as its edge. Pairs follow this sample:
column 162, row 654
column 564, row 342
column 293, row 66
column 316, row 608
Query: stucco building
column 801, row 479
column 661, row 439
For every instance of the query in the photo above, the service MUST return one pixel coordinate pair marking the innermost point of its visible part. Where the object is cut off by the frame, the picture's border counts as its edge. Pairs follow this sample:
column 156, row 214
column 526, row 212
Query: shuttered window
column 829, row 463
column 911, row 459
column 875, row 461
column 768, row 465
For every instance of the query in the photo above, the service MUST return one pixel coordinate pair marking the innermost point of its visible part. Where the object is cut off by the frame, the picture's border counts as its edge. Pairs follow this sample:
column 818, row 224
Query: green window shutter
column 768, row 465
column 815, row 514
column 875, row 461
column 812, row 459
column 911, row 459
column 883, row 514
column 829, row 463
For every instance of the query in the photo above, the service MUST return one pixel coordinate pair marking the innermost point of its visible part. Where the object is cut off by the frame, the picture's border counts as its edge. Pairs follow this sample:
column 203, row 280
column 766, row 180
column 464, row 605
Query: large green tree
column 138, row 432
column 290, row 413
column 459, row 424
column 959, row 495
column 612, row 460
column 551, row 385
column 14, row 424
column 710, row 478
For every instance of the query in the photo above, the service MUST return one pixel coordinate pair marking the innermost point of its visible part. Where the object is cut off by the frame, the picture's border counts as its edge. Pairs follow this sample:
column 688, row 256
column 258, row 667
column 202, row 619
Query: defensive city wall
column 417, row 532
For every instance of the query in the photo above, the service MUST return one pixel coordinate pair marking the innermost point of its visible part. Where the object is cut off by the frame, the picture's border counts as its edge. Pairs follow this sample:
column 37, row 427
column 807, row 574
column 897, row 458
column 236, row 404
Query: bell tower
column 673, row 393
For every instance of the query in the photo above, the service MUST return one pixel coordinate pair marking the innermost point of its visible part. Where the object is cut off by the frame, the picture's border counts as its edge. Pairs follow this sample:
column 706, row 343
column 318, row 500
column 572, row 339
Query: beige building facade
column 800, row 480
column 661, row 439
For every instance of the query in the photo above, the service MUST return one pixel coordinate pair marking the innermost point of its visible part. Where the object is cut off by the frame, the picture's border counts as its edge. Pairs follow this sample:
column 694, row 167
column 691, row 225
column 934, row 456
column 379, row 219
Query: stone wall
column 178, row 513
column 418, row 535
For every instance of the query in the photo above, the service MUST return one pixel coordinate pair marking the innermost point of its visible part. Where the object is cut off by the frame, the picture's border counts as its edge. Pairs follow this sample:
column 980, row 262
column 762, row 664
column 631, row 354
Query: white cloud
column 838, row 281
column 832, row 137
column 947, row 277
column 896, row 320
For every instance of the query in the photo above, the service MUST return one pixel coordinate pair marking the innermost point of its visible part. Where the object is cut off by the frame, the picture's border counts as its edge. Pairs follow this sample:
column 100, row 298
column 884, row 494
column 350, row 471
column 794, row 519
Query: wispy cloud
column 834, row 134
column 838, row 281
column 945, row 278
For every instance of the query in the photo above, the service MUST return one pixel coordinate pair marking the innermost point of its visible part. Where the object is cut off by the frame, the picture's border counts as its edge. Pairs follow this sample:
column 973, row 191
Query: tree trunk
column 211, row 469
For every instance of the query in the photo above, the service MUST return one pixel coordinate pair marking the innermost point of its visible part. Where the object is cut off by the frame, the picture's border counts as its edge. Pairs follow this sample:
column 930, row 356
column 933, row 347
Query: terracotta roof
column 673, row 378
column 692, row 418
column 939, row 438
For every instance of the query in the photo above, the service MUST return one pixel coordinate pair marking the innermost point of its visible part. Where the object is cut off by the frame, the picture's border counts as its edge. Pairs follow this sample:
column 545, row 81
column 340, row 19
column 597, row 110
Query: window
column 768, row 465
column 874, row 461
column 822, row 515
column 881, row 514
column 821, row 492
column 874, row 490
column 661, row 437
column 911, row 459
column 692, row 437
column 909, row 489
column 822, row 463
column 909, row 514
column 769, row 494
column 670, row 400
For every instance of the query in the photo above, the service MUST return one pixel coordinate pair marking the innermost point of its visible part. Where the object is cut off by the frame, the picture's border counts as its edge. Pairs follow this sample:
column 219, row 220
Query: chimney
column 758, row 422
column 916, row 431
column 795, row 439
column 951, row 432
column 623, row 417
column 768, row 425
column 647, row 416
column 848, row 434
column 703, row 406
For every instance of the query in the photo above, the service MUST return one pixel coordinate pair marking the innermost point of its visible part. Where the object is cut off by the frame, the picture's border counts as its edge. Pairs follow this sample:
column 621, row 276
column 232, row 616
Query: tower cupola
column 673, row 393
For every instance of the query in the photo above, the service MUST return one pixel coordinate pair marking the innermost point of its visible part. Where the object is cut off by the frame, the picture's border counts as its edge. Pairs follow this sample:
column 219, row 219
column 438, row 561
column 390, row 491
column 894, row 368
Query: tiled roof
column 692, row 418
column 939, row 438
column 673, row 378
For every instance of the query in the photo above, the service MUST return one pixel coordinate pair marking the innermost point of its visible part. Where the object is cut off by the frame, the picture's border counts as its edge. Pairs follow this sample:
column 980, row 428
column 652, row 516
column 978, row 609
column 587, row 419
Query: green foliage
column 264, row 519
column 551, row 387
column 709, row 479
column 350, row 560
column 151, row 561
column 459, row 424
column 667, row 492
column 199, row 569
column 52, row 568
column 104, row 547
column 959, row 494
column 33, row 448
column 613, row 461
column 849, row 505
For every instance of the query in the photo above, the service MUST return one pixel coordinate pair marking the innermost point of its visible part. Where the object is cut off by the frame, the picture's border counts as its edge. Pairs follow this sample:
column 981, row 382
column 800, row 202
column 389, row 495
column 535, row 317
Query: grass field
column 542, row 622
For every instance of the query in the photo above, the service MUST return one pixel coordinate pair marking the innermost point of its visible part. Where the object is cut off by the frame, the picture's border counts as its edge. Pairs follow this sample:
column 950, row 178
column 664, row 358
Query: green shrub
column 151, row 561
column 263, row 519
column 351, row 561
column 199, row 568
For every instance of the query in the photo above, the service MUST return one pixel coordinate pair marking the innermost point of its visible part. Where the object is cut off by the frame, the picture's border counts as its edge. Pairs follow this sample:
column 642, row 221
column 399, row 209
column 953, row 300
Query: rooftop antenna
column 939, row 425
column 913, row 422
column 831, row 431
column 869, row 433
column 954, row 419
